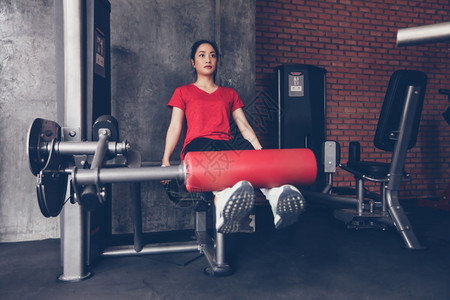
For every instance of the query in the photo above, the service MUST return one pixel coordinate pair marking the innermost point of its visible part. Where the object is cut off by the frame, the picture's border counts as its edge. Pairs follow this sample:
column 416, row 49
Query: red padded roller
column 217, row 170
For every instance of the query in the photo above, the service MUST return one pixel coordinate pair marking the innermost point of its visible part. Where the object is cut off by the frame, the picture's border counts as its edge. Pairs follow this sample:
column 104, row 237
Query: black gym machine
column 68, row 160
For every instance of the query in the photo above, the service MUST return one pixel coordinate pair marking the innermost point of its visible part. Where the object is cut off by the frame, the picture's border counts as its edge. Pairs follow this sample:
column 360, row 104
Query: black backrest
column 391, row 111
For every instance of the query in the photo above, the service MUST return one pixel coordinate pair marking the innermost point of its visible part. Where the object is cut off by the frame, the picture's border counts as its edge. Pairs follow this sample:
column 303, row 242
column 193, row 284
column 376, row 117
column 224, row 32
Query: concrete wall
column 27, row 91
column 150, row 46
column 150, row 58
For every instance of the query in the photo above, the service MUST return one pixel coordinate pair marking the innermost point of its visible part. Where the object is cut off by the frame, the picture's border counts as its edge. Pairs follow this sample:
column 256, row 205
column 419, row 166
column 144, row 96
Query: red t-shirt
column 207, row 115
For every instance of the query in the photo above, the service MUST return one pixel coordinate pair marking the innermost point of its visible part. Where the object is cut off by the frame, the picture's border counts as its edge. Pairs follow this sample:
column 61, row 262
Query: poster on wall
column 99, row 66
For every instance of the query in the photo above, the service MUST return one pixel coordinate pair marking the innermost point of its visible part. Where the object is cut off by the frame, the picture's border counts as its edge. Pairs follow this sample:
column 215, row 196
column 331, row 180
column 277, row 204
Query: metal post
column 383, row 197
column 396, row 171
column 74, row 219
column 136, row 207
column 220, row 249
column 360, row 191
column 74, row 243
column 90, row 195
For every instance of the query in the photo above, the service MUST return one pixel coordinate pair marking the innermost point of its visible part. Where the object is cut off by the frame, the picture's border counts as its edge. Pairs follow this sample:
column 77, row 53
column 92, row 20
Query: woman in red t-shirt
column 208, row 109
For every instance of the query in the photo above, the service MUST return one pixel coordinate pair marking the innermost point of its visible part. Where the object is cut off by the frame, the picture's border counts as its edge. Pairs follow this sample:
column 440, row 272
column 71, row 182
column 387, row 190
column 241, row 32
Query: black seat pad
column 371, row 168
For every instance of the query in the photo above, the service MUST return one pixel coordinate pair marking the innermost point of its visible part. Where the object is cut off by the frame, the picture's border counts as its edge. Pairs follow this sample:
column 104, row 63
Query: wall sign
column 99, row 66
column 296, row 84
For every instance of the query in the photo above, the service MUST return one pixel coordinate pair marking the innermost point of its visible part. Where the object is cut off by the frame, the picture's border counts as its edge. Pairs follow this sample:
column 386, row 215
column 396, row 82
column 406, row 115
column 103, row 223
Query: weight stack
column 301, row 111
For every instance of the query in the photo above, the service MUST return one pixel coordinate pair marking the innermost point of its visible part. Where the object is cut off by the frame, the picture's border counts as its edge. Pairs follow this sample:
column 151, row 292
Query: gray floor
column 317, row 258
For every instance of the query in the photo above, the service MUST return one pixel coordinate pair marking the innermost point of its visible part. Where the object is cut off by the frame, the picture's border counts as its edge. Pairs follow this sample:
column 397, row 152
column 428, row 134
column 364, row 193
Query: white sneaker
column 233, row 207
column 287, row 204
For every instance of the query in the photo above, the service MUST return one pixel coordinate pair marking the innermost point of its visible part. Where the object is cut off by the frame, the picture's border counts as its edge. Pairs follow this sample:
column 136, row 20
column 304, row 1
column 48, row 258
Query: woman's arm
column 173, row 134
column 245, row 128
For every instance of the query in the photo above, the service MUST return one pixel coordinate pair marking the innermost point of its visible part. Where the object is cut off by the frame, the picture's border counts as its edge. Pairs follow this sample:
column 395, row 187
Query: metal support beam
column 423, row 34
column 116, row 175
column 85, row 148
column 74, row 219
column 396, row 171
column 160, row 249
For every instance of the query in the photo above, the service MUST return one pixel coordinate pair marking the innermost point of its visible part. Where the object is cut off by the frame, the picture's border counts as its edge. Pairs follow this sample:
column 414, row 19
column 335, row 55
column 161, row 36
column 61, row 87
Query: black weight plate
column 33, row 142
column 52, row 185
column 41, row 201
column 40, row 133
column 52, row 192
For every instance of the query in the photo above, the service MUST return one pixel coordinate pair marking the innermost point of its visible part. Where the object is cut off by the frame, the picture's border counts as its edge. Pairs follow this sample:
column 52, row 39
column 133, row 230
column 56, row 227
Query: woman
column 208, row 109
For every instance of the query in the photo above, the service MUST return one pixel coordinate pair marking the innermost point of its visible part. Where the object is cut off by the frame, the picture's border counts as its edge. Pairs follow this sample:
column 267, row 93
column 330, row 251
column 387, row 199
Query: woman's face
column 205, row 62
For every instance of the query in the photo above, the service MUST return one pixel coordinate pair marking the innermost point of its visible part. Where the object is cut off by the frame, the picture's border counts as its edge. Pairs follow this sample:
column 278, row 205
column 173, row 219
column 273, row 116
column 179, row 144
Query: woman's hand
column 245, row 128
column 172, row 136
column 164, row 164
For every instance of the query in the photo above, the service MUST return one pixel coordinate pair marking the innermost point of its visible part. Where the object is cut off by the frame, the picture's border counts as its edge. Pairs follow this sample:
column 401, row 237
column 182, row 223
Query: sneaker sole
column 290, row 205
column 237, row 208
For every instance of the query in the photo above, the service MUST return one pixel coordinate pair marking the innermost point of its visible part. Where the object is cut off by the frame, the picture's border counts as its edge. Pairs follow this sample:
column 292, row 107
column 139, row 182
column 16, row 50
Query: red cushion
column 217, row 170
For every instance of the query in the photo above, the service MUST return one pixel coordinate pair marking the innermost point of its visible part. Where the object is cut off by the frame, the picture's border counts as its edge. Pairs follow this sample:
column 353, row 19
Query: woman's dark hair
column 198, row 43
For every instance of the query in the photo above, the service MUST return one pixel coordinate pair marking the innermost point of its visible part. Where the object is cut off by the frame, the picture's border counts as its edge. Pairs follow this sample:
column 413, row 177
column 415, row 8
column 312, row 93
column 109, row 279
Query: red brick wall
column 355, row 41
